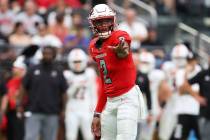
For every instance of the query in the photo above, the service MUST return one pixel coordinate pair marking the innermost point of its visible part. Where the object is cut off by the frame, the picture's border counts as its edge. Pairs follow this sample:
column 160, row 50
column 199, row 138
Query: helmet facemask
column 146, row 67
column 78, row 65
column 103, row 27
column 180, row 62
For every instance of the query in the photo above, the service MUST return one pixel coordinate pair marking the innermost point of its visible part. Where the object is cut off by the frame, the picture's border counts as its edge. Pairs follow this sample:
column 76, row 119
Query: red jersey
column 13, row 86
column 118, row 74
column 46, row 3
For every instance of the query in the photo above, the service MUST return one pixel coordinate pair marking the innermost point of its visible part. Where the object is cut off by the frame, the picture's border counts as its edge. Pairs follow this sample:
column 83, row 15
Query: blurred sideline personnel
column 187, row 107
column 134, row 28
column 81, row 95
column 123, row 99
column 45, row 87
column 15, row 126
column 168, row 119
column 159, row 89
column 143, row 82
column 203, row 80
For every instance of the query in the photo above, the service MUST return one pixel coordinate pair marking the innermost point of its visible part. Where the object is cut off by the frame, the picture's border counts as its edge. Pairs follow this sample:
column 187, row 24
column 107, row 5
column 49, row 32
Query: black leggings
column 15, row 130
column 185, row 124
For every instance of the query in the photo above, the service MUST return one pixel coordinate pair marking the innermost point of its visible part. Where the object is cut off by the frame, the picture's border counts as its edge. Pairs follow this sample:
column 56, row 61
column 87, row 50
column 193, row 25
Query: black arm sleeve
column 144, row 85
column 26, row 82
column 63, row 83
column 148, row 93
column 3, row 88
column 197, row 78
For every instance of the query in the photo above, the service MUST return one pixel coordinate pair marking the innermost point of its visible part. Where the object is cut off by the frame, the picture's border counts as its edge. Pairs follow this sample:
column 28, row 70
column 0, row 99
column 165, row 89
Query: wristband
column 97, row 114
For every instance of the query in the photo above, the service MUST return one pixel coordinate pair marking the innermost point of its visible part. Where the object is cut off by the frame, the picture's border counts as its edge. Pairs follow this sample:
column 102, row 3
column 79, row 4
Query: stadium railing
column 185, row 33
column 204, row 50
column 146, row 13
column 199, row 42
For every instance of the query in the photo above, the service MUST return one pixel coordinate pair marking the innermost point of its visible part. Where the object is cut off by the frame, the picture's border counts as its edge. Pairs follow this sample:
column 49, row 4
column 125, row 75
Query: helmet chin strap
column 79, row 72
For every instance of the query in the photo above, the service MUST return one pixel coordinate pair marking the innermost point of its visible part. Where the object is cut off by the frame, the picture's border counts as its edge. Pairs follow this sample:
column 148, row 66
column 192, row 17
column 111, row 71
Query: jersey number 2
column 107, row 80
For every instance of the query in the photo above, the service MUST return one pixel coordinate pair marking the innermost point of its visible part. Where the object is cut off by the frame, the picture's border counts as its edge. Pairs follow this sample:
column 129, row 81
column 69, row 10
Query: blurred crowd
column 44, row 44
column 177, row 7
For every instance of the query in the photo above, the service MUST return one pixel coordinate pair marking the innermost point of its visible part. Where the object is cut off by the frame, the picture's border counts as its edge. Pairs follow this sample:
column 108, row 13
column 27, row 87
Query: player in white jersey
column 156, row 78
column 169, row 117
column 187, row 107
column 81, row 96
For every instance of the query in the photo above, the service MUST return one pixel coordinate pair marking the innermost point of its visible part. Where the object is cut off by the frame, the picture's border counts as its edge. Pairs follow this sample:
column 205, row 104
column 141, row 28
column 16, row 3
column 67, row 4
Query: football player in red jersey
column 120, row 104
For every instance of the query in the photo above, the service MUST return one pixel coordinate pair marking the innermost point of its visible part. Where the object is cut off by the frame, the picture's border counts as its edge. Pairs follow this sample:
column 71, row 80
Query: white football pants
column 121, row 115
column 168, row 119
column 76, row 120
column 146, row 130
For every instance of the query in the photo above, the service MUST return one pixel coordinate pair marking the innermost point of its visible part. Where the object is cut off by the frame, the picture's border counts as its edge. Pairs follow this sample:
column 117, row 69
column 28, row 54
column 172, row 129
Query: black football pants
column 185, row 124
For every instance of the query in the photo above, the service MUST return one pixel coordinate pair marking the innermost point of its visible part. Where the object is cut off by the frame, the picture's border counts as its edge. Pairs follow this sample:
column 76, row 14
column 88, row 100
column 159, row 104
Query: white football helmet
column 52, row 40
column 77, row 60
column 147, row 62
column 47, row 40
column 179, row 55
column 19, row 66
column 102, row 20
column 19, row 63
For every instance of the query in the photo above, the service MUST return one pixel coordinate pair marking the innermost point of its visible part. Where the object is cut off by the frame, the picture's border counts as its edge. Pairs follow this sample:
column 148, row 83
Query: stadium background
column 172, row 21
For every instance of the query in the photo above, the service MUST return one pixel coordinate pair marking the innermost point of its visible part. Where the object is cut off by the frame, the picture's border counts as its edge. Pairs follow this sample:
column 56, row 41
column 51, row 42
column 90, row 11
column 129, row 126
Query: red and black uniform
column 118, row 74
column 15, row 129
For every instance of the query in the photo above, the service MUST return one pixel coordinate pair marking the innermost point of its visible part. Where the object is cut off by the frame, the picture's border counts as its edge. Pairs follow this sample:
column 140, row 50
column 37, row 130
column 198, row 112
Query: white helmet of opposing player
column 51, row 40
column 102, row 20
column 179, row 55
column 19, row 63
column 147, row 62
column 77, row 60
column 19, row 66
